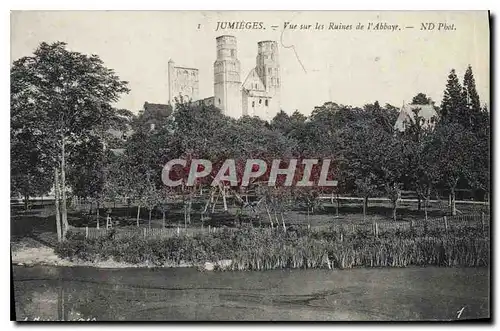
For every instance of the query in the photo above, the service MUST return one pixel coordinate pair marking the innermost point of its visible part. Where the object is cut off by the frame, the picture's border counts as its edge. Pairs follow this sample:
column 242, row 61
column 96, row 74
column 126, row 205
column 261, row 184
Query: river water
column 82, row 293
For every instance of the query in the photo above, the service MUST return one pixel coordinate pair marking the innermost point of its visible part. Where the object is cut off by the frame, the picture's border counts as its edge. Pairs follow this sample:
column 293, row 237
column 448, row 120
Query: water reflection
column 71, row 294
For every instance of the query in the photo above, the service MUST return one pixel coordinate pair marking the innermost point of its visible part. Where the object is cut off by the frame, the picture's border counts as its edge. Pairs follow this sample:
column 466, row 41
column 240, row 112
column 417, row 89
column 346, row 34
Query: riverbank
column 29, row 252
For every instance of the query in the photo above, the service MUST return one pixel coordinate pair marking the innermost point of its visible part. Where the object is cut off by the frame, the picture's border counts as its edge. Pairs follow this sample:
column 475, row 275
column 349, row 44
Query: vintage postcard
column 250, row 166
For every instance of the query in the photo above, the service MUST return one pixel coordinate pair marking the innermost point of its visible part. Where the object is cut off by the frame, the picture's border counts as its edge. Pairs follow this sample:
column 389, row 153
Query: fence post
column 445, row 224
column 144, row 231
column 86, row 232
column 376, row 229
column 209, row 228
column 178, row 231
column 482, row 220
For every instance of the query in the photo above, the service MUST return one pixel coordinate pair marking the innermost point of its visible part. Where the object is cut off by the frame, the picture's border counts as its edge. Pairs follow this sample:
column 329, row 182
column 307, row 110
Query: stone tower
column 182, row 83
column 268, row 69
column 227, row 82
column 171, row 93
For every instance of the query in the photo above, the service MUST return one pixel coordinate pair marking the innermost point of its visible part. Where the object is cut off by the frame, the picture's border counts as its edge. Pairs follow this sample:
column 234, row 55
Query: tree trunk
column 394, row 210
column 163, row 218
column 269, row 215
column 452, row 205
column 129, row 201
column 419, row 203
column 331, row 198
column 365, row 207
column 64, row 211
column 97, row 214
column 58, row 215
column 426, row 202
column 283, row 220
column 308, row 216
column 138, row 214
column 338, row 205
column 26, row 202
column 185, row 215
column 149, row 221
column 215, row 202
column 208, row 202
column 425, row 209
column 224, row 197
column 189, row 205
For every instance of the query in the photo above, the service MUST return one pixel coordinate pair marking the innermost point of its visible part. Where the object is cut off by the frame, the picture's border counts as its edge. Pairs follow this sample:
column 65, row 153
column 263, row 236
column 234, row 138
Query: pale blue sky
column 349, row 67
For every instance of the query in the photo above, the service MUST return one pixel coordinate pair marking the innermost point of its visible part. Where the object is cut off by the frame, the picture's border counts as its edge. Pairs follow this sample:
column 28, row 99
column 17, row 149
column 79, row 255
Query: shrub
column 260, row 249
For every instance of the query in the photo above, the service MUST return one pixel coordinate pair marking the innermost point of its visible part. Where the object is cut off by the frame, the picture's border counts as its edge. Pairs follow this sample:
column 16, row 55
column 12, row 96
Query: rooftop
column 427, row 112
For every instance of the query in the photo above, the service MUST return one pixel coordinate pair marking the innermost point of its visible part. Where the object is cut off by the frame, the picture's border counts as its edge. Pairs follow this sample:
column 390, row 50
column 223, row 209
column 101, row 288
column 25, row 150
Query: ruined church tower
column 268, row 69
column 227, row 82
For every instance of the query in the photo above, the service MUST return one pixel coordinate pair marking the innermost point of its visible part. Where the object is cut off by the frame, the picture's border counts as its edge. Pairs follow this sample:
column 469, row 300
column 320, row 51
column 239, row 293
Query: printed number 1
column 199, row 26
column 460, row 312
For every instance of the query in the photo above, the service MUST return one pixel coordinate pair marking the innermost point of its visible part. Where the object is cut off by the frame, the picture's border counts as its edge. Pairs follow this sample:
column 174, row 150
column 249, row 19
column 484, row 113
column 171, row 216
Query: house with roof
column 408, row 112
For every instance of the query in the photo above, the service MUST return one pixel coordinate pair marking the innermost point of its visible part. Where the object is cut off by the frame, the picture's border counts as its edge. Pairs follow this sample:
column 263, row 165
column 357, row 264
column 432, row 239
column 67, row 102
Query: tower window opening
column 219, row 101
column 253, row 103
column 260, row 101
column 267, row 103
column 232, row 53
column 269, row 70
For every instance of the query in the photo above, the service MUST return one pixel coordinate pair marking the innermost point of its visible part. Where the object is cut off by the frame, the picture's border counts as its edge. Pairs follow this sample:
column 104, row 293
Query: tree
column 31, row 165
column 471, row 100
column 470, row 94
column 150, row 197
column 452, row 106
column 392, row 168
column 421, row 99
column 359, row 157
column 453, row 146
column 282, row 122
column 86, row 175
column 422, row 173
column 31, row 171
column 71, row 95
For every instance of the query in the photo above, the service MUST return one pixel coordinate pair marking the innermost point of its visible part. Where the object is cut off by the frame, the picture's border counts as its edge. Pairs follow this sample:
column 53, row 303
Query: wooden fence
column 446, row 223
column 93, row 233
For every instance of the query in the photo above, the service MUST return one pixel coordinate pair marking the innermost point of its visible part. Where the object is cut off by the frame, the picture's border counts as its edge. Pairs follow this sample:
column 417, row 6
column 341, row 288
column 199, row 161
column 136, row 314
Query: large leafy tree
column 422, row 172
column 31, row 173
column 421, row 99
column 453, row 147
column 70, row 96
